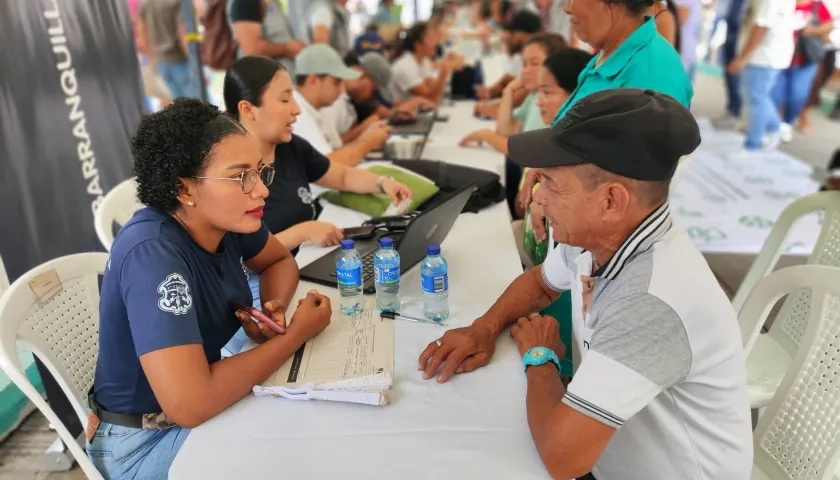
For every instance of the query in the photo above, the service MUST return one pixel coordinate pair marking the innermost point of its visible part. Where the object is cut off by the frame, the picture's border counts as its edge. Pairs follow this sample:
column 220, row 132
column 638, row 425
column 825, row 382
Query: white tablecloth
column 472, row 427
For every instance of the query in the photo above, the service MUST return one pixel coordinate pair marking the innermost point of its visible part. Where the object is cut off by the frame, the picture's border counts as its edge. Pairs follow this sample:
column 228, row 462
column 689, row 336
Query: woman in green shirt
column 631, row 54
column 510, row 120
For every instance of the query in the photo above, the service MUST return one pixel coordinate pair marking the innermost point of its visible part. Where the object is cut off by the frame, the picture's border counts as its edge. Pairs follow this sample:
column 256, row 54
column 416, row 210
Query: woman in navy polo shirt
column 176, row 273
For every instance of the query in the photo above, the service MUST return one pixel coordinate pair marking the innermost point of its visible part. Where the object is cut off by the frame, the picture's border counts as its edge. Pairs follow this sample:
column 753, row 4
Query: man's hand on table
column 461, row 350
column 538, row 331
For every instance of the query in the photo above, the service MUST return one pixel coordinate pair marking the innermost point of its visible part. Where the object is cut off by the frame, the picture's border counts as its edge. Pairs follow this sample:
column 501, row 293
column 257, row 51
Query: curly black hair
column 175, row 143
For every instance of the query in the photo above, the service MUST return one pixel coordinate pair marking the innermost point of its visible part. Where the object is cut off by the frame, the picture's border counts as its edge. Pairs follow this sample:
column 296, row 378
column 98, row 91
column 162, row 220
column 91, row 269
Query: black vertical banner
column 70, row 98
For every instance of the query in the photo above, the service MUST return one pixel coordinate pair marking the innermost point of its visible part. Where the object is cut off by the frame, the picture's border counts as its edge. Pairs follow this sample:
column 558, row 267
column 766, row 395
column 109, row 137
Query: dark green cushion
column 375, row 205
column 561, row 310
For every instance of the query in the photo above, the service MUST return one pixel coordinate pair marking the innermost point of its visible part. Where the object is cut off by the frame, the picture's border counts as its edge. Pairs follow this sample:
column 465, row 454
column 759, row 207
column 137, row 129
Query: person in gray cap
column 320, row 77
column 368, row 99
column 659, row 391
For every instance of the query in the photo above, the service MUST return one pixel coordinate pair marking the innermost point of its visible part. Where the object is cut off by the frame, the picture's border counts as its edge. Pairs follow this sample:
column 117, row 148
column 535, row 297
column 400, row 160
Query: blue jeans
column 134, row 453
column 764, row 118
column 178, row 79
column 732, row 82
column 792, row 89
column 240, row 337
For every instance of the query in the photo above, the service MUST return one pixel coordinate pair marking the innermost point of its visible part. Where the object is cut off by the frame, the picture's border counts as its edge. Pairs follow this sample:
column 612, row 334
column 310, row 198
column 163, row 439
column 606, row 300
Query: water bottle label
column 349, row 277
column 435, row 284
column 386, row 275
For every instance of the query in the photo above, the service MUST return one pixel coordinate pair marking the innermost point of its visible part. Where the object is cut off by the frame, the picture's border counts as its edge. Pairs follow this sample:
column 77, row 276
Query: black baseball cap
column 524, row 21
column 634, row 133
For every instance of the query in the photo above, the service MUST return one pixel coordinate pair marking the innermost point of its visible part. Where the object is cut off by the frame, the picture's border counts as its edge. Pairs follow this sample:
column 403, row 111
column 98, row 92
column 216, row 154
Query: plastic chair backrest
column 62, row 332
column 791, row 322
column 798, row 437
column 4, row 277
column 117, row 206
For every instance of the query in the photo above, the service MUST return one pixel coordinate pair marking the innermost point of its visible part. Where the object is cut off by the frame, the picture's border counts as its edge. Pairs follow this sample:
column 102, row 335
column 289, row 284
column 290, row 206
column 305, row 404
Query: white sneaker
column 785, row 132
column 771, row 141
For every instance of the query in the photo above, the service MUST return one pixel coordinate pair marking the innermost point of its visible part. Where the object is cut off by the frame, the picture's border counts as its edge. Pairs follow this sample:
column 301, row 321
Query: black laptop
column 421, row 125
column 429, row 227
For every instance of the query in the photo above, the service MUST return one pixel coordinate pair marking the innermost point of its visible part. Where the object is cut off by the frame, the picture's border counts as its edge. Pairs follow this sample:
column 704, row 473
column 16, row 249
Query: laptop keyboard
column 367, row 267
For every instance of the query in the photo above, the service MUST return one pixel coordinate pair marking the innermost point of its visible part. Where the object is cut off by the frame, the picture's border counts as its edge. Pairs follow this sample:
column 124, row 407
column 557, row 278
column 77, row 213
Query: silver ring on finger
column 438, row 343
column 531, row 316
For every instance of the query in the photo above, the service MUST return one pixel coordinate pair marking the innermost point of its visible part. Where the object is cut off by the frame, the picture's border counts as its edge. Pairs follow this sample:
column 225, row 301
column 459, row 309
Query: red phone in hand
column 259, row 316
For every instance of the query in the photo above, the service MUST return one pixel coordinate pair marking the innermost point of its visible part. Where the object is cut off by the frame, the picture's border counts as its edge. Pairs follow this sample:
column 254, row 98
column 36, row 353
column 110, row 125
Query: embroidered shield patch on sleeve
column 174, row 295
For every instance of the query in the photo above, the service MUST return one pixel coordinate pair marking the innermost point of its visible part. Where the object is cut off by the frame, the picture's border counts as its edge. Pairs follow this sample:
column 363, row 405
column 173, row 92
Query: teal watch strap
column 540, row 356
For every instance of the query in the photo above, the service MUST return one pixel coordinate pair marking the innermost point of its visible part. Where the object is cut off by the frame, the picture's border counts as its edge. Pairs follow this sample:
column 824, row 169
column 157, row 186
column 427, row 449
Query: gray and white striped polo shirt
column 660, row 358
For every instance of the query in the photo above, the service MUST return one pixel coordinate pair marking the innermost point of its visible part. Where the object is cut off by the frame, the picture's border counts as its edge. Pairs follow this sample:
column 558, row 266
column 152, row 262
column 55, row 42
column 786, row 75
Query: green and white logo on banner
column 706, row 235
column 755, row 221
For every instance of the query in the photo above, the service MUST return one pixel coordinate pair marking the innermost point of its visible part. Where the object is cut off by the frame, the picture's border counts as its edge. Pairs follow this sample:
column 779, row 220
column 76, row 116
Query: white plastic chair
column 118, row 205
column 62, row 332
column 770, row 355
column 798, row 437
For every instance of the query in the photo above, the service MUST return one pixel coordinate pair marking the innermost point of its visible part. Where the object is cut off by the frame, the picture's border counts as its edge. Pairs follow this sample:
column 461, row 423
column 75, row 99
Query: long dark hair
column 671, row 5
column 566, row 65
column 412, row 37
column 247, row 80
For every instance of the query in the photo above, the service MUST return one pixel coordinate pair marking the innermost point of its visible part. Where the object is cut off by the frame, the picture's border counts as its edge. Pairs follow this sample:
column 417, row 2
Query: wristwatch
column 539, row 356
column 380, row 183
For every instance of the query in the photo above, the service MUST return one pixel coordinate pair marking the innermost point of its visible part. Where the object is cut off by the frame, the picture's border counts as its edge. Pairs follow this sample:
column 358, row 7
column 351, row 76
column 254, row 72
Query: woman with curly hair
column 175, row 290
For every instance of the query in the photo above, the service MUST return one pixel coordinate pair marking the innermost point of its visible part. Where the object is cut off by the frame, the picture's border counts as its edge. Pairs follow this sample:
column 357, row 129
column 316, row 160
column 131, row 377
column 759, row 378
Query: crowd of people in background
column 776, row 55
column 308, row 94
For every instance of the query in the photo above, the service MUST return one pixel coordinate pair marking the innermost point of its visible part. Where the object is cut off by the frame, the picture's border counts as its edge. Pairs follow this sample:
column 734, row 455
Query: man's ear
column 616, row 201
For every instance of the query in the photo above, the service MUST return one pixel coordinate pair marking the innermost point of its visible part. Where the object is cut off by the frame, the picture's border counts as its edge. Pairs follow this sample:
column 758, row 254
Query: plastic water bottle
column 434, row 277
column 348, row 271
column 386, row 275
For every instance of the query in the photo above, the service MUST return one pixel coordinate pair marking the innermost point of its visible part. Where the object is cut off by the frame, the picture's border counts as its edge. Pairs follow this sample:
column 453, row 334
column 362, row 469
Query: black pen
column 397, row 316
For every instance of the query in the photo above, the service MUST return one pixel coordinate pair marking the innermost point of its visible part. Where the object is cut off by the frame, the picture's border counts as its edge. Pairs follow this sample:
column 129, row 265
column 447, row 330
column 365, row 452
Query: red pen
column 259, row 316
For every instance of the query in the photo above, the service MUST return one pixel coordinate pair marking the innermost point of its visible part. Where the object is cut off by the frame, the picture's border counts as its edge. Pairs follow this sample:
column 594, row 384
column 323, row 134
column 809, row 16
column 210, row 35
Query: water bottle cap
column 347, row 244
column 386, row 242
column 433, row 249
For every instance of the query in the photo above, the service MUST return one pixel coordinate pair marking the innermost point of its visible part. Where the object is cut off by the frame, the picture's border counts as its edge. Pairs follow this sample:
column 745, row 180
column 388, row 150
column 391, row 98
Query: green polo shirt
column 644, row 60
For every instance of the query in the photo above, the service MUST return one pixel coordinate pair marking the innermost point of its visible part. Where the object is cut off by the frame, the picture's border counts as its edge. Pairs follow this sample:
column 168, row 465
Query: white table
column 474, row 426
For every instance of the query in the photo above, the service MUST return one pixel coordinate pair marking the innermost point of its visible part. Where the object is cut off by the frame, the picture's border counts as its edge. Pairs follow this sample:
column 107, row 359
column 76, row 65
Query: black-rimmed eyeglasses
column 248, row 178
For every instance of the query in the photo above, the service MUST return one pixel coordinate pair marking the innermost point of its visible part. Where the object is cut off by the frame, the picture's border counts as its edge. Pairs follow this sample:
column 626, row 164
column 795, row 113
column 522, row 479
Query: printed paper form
column 350, row 347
